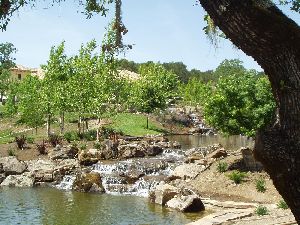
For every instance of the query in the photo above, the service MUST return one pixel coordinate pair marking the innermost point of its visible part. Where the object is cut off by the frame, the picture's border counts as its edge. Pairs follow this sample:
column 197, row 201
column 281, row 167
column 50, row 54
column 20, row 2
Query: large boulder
column 153, row 150
column 42, row 170
column 23, row 180
column 88, row 182
column 63, row 152
column 188, row 171
column 189, row 203
column 163, row 193
column 131, row 151
column 87, row 158
column 249, row 161
column 216, row 154
column 12, row 166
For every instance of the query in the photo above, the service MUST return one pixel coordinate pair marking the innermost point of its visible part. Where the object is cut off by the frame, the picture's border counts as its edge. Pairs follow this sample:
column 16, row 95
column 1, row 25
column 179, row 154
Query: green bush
column 237, row 177
column 71, row 136
column 261, row 210
column 30, row 140
column 97, row 145
column 90, row 135
column 282, row 205
column 222, row 167
column 261, row 185
column 83, row 146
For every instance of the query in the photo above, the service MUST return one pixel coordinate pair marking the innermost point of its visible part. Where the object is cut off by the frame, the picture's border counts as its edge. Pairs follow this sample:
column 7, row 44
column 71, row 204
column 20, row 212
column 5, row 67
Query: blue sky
column 161, row 30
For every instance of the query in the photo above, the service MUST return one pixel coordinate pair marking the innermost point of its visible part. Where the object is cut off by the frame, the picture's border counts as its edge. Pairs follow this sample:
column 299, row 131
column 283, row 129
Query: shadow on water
column 51, row 206
column 228, row 142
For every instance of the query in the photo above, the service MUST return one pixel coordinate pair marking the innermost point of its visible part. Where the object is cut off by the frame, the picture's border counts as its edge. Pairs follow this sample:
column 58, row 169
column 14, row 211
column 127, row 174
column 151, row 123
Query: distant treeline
column 179, row 68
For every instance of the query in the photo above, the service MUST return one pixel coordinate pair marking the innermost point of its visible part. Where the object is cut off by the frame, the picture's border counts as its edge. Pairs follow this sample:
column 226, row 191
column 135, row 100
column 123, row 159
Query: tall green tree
column 7, row 61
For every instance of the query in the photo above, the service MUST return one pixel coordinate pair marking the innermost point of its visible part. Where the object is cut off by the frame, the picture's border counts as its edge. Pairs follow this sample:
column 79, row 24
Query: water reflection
column 51, row 206
column 229, row 142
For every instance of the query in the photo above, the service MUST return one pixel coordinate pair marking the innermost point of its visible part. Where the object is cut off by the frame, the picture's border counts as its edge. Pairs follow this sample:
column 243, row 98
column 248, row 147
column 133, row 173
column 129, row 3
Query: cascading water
column 135, row 176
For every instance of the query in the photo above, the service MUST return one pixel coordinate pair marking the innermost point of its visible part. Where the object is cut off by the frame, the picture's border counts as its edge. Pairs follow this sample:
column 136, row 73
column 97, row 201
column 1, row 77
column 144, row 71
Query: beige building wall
column 20, row 72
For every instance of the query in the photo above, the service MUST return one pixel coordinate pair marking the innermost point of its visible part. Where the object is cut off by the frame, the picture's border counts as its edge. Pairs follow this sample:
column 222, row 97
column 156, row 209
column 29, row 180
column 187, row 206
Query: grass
column 222, row 167
column 237, row 177
column 261, row 210
column 282, row 205
column 261, row 185
column 135, row 125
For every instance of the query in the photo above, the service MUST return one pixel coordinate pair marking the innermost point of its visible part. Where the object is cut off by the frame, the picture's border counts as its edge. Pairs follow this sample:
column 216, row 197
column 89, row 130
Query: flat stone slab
column 223, row 216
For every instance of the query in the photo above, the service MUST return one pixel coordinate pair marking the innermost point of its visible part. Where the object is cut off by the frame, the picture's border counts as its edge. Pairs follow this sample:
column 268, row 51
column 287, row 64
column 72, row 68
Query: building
column 19, row 72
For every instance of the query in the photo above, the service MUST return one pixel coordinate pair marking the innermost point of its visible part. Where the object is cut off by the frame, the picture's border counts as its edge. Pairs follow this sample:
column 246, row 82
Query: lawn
column 135, row 125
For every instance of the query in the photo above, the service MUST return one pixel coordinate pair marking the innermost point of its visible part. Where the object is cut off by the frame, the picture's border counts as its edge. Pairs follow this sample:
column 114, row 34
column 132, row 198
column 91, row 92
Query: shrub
column 90, row 135
column 261, row 185
column 30, row 140
column 261, row 210
column 282, row 205
column 71, row 136
column 11, row 152
column 97, row 145
column 54, row 139
column 41, row 148
column 222, row 167
column 83, row 146
column 237, row 177
column 21, row 141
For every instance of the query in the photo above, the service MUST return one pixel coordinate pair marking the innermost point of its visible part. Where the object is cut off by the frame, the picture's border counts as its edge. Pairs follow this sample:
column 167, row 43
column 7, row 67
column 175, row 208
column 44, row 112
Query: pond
column 51, row 206
column 228, row 142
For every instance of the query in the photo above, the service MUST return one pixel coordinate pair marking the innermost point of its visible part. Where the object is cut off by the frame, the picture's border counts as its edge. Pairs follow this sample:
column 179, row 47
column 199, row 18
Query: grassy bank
column 135, row 125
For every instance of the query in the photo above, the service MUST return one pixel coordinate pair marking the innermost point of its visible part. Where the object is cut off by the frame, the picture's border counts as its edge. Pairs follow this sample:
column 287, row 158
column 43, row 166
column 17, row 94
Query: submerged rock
column 12, row 166
column 23, row 180
column 89, row 182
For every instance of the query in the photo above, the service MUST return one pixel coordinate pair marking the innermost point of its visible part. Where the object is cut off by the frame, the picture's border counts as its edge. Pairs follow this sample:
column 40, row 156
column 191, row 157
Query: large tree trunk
column 262, row 31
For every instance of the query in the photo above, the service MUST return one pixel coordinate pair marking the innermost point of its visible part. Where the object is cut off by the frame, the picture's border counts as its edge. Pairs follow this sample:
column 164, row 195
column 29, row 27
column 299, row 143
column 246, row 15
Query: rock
column 153, row 150
column 86, row 158
column 176, row 145
column 188, row 171
column 89, row 182
column 11, row 165
column 163, row 193
column 218, row 153
column 192, row 159
column 132, row 176
column 63, row 152
column 42, row 170
column 190, row 203
column 195, row 130
column 23, row 180
column 131, row 151
column 2, row 177
column 249, row 161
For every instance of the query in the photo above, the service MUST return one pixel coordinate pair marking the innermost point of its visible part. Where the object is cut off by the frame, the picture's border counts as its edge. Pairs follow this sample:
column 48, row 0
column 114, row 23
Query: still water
column 51, row 206
column 228, row 142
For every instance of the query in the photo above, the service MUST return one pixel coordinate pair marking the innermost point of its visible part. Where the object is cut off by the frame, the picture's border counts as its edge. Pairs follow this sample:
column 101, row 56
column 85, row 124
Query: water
column 52, row 206
column 229, row 143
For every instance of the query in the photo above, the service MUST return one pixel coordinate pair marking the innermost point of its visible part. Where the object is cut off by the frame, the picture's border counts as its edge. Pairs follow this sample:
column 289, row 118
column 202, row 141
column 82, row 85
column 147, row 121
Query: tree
column 240, row 103
column 31, row 101
column 6, row 62
column 179, row 68
column 262, row 31
column 154, row 87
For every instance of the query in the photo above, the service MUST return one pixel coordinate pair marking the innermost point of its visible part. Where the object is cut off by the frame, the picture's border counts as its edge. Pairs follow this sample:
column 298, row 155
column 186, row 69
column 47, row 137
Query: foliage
column 71, row 136
column 261, row 210
column 195, row 92
column 237, row 177
column 83, row 146
column 241, row 102
column 261, row 185
column 222, row 167
column 90, row 135
column 282, row 205
column 178, row 68
column 97, row 145
column 21, row 141
column 54, row 139
column 154, row 87
column 30, row 140
column 41, row 147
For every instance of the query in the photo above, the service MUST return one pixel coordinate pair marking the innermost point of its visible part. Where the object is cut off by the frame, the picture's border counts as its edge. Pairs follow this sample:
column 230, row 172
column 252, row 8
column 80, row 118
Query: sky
column 160, row 30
